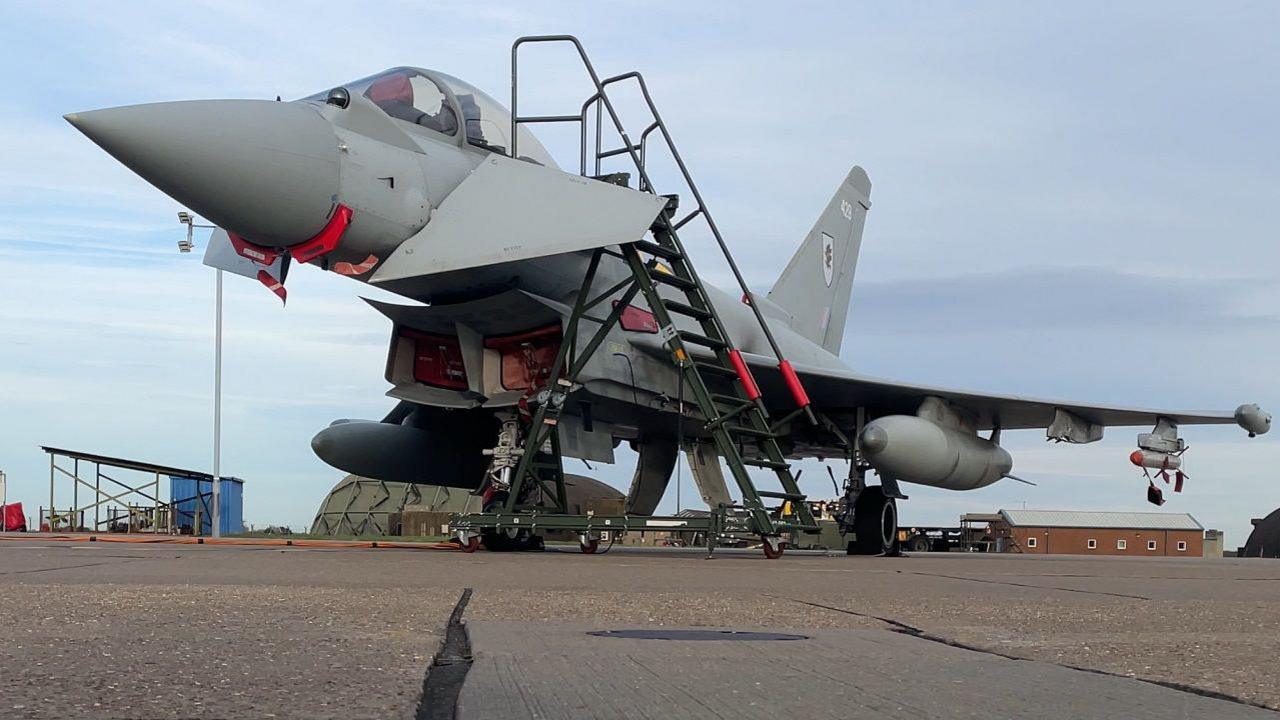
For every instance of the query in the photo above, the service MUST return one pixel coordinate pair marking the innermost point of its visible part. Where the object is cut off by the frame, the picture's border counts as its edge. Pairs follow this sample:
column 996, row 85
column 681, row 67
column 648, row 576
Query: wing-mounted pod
column 1253, row 419
column 1160, row 450
column 938, row 447
column 1071, row 428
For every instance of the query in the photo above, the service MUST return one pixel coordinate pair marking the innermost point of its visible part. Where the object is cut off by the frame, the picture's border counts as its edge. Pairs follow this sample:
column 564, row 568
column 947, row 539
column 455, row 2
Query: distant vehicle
column 564, row 315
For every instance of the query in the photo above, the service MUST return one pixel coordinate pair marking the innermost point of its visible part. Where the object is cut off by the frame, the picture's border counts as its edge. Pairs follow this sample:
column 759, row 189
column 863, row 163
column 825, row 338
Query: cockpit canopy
column 435, row 101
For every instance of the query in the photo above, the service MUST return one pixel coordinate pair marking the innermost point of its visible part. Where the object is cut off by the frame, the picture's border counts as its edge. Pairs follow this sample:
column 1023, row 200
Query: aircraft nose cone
column 267, row 171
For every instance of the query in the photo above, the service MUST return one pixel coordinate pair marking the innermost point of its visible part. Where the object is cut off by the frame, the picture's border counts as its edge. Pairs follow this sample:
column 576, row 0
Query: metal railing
column 637, row 151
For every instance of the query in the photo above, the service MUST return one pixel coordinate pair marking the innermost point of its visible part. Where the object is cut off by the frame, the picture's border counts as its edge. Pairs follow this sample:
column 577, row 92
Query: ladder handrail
column 601, row 97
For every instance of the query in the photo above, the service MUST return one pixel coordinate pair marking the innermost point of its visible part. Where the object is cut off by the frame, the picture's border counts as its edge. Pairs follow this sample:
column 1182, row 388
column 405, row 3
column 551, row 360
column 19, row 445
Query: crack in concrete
column 1026, row 585
column 448, row 670
column 72, row 567
column 911, row 631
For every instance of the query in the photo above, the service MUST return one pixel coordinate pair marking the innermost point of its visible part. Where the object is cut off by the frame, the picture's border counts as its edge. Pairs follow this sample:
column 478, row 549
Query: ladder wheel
column 471, row 545
column 771, row 551
column 589, row 547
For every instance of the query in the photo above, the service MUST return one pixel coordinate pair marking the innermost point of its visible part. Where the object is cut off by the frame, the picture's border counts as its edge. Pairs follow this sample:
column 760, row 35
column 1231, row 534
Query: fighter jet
column 557, row 314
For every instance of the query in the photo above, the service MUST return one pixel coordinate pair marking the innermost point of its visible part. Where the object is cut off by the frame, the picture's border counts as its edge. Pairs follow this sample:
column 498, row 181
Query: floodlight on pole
column 185, row 246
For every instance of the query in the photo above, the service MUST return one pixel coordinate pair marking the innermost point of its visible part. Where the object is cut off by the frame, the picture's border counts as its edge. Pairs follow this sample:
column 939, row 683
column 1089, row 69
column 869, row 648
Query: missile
column 919, row 451
column 1155, row 460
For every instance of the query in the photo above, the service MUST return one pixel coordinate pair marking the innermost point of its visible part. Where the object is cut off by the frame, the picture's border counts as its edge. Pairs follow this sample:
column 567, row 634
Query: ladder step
column 675, row 281
column 689, row 310
column 661, row 251
column 750, row 431
column 766, row 463
column 703, row 340
column 730, row 400
column 713, row 369
column 793, row 497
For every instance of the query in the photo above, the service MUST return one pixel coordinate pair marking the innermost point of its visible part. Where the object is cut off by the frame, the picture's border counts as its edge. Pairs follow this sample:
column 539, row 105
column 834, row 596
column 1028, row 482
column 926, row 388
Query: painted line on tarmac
column 443, row 682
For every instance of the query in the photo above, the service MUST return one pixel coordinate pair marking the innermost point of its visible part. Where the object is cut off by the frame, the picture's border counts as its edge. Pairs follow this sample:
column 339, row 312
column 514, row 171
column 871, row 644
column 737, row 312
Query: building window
column 1093, row 544
column 1122, row 544
column 1182, row 546
column 1031, row 542
column 1151, row 544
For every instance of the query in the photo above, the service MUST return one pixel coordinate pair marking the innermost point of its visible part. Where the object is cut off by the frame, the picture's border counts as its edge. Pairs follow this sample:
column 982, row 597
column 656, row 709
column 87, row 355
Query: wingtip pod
column 1253, row 419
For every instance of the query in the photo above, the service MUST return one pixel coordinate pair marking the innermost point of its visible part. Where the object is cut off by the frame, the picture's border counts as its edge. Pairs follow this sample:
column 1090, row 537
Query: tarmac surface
column 107, row 630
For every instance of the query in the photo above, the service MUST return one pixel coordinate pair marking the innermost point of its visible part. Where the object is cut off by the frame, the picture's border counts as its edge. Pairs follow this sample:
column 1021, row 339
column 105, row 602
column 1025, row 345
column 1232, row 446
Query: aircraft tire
column 875, row 524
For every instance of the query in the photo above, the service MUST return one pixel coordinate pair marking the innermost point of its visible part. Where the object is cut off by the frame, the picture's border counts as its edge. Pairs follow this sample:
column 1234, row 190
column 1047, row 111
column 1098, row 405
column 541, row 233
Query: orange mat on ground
column 188, row 540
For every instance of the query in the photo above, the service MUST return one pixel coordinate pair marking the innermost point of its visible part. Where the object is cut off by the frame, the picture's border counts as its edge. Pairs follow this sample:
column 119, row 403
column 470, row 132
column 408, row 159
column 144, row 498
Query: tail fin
column 814, row 289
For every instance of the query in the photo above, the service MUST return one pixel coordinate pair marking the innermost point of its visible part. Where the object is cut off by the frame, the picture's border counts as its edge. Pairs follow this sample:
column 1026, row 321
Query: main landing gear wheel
column 588, row 544
column 773, row 547
column 875, row 524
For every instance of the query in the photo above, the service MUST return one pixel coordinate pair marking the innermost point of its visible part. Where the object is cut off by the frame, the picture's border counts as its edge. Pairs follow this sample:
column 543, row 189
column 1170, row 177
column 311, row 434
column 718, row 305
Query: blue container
column 188, row 494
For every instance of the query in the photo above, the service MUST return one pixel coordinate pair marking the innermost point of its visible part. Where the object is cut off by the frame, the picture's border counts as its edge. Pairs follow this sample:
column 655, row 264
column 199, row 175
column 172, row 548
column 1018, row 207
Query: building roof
column 1098, row 519
column 137, row 465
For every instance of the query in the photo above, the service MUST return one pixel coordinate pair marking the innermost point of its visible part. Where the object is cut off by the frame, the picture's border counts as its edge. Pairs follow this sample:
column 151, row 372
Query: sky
column 1071, row 200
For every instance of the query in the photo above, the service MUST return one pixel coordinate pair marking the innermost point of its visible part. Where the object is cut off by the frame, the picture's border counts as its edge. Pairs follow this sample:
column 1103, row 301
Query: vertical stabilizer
column 814, row 289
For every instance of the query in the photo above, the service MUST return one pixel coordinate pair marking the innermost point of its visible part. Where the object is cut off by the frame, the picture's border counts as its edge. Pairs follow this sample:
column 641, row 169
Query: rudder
column 814, row 289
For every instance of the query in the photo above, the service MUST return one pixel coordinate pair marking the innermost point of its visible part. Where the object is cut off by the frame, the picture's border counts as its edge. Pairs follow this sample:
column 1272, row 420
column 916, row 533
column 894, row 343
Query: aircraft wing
column 508, row 210
column 837, row 390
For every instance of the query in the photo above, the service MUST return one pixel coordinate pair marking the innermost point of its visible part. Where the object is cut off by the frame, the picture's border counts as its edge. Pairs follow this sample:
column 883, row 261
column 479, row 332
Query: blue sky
column 1070, row 200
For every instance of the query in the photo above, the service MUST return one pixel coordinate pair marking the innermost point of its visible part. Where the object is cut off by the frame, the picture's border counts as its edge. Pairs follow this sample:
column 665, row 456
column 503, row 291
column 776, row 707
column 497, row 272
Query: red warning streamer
column 273, row 285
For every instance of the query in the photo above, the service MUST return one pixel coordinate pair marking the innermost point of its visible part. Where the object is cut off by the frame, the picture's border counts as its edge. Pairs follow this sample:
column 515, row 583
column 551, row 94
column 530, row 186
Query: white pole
column 217, row 414
column 3, row 496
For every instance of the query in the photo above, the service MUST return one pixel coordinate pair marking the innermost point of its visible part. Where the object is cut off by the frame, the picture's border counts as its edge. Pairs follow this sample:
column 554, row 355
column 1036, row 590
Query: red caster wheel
column 471, row 545
column 588, row 545
column 773, row 548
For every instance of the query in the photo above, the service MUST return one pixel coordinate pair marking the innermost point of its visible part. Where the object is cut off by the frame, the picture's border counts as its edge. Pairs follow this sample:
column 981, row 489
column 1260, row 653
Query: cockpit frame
column 471, row 119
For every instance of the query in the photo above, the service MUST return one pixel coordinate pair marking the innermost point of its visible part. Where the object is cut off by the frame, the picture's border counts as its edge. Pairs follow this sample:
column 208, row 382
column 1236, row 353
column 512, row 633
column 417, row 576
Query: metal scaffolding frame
column 117, row 504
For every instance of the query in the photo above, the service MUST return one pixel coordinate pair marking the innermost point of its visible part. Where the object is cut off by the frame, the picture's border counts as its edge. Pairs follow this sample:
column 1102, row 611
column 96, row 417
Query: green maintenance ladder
column 726, row 395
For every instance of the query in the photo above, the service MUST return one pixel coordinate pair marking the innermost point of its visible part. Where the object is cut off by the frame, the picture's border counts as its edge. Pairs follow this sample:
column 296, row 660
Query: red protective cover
column 437, row 360
column 744, row 374
column 14, row 519
column 527, row 357
column 634, row 319
column 793, row 383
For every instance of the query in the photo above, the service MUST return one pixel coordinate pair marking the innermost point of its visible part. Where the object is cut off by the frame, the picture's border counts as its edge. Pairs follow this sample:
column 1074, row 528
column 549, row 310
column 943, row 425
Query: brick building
column 1071, row 532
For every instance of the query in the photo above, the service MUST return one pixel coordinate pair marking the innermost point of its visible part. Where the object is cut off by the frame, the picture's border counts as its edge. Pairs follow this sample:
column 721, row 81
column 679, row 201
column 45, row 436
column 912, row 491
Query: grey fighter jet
column 561, row 316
